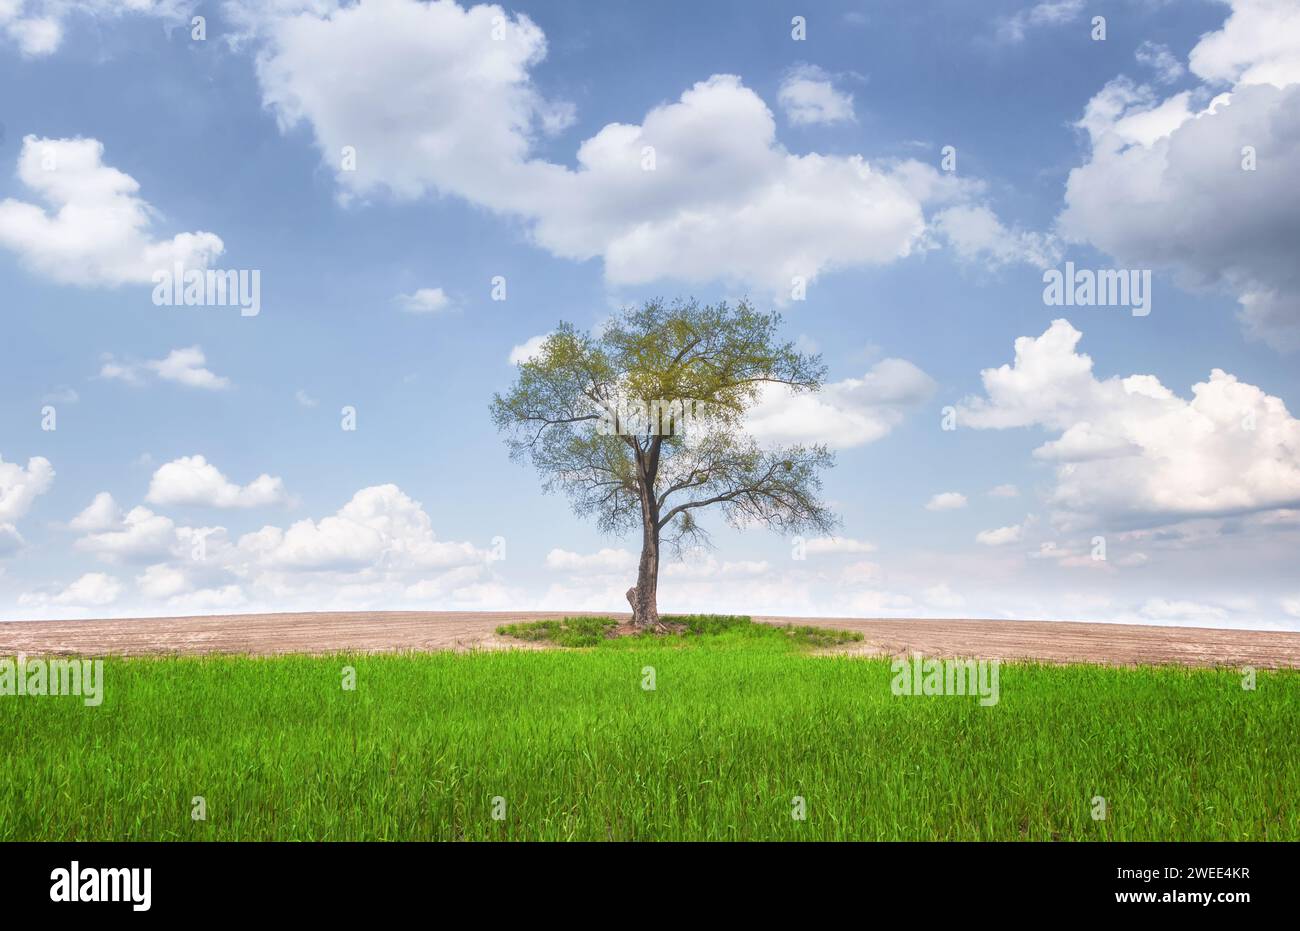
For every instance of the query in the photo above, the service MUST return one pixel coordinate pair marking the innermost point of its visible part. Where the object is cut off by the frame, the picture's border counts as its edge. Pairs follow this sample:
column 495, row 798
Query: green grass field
column 739, row 723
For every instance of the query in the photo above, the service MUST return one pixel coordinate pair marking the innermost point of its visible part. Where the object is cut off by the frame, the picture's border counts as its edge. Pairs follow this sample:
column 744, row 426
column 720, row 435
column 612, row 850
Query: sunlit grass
column 737, row 726
column 583, row 631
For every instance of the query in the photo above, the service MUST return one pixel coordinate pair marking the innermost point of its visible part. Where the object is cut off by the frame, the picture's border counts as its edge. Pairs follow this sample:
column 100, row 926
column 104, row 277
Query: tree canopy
column 643, row 424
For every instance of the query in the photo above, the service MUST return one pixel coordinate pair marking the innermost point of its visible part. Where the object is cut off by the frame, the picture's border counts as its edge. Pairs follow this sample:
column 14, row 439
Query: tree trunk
column 644, row 598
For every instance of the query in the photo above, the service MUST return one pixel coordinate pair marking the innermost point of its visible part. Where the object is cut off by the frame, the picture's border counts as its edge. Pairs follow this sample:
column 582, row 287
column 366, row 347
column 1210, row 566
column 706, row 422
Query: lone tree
column 642, row 425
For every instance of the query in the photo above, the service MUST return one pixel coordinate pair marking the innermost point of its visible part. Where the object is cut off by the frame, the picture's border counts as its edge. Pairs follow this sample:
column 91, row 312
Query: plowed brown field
column 1049, row 641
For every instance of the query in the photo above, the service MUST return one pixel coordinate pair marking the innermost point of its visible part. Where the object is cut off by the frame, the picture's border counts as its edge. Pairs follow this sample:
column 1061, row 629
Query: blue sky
column 520, row 155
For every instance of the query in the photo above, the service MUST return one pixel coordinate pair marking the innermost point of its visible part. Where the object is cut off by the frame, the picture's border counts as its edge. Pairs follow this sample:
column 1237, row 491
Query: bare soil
column 385, row 631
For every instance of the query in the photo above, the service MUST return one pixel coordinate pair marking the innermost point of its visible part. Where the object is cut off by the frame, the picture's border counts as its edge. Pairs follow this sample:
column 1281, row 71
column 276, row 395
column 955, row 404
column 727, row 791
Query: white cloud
column 36, row 26
column 424, row 301
column 700, row 564
column 92, row 590
column 62, row 395
column 604, row 560
column 11, row 541
column 820, row 546
column 1047, row 13
column 726, row 201
column 192, row 480
column 161, row 581
column 303, row 398
column 946, row 501
column 95, row 229
column 36, row 36
column 874, row 602
column 1258, row 44
column 120, row 371
column 1159, row 59
column 205, row 600
column 101, row 514
column 1004, row 491
column 380, row 526
column 139, row 535
column 20, row 486
column 429, row 99
column 186, row 367
column 941, row 596
column 1185, row 612
column 862, row 572
column 1000, row 536
column 182, row 366
column 809, row 97
column 723, row 199
column 843, row 414
column 1131, row 451
column 1164, row 185
column 528, row 350
column 376, row 552
column 806, row 344
column 976, row 235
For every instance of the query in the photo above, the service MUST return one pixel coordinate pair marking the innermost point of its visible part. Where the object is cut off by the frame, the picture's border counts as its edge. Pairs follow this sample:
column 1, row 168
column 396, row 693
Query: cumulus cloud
column 1161, row 61
column 1182, row 611
column 378, row 551
column 161, row 581
column 1131, row 451
column 94, row 228
column 1048, row 13
column 1258, row 44
column 192, row 480
column 604, row 560
column 101, row 514
column 187, row 367
column 700, row 564
column 699, row 190
column 845, row 413
column 1000, row 536
column 11, row 541
column 808, row 96
column 1166, row 186
column 946, row 501
column 139, row 535
column 943, row 597
column 61, row 395
column 20, row 486
column 182, row 366
column 819, row 546
column 1004, row 491
column 380, row 526
column 37, row 26
column 528, row 350
column 208, row 600
column 424, row 301
column 36, row 36
column 92, row 590
column 976, row 235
